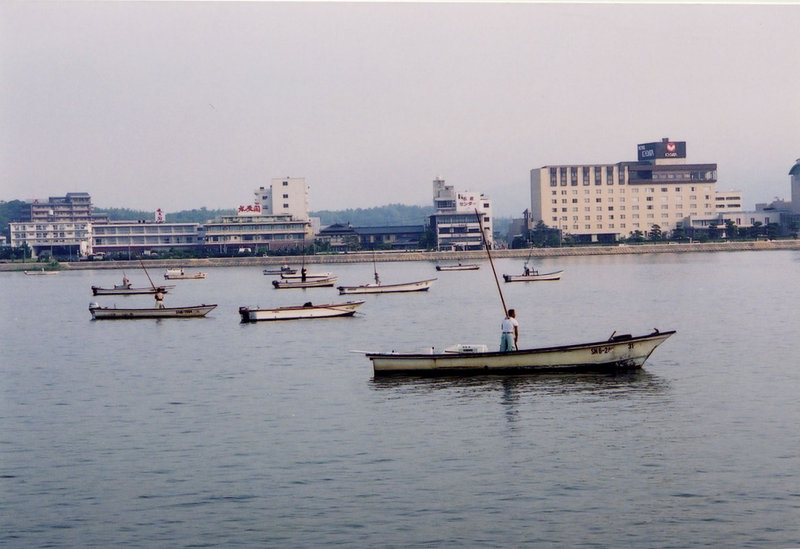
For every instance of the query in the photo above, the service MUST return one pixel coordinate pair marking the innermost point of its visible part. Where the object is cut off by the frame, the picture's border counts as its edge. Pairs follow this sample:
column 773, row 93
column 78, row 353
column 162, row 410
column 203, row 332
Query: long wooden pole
column 148, row 274
column 488, row 253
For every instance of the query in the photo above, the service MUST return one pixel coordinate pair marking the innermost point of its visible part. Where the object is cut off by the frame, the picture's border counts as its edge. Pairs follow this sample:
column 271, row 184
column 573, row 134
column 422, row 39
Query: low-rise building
column 140, row 237
column 250, row 230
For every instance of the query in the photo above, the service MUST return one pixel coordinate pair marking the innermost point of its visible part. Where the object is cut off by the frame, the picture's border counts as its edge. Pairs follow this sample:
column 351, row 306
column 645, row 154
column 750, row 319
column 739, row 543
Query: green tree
column 655, row 232
column 731, row 229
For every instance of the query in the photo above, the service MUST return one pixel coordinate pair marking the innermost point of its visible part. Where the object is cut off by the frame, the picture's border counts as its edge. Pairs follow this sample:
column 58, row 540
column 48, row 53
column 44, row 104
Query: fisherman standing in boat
column 159, row 295
column 510, row 328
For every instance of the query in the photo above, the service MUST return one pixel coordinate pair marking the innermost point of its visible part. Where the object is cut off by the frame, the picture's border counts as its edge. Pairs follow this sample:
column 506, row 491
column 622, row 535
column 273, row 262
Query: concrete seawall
column 366, row 257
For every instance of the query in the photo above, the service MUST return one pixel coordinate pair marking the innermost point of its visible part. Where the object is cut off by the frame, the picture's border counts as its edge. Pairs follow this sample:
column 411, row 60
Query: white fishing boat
column 181, row 274
column 379, row 288
column 115, row 313
column 119, row 289
column 616, row 353
column 416, row 286
column 533, row 276
column 285, row 269
column 41, row 272
column 306, row 310
column 308, row 276
column 459, row 267
column 286, row 283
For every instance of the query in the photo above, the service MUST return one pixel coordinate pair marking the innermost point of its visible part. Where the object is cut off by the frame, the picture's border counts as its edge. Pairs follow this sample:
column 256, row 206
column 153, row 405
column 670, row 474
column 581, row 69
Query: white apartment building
column 136, row 237
column 455, row 222
column 285, row 196
column 70, row 238
column 604, row 202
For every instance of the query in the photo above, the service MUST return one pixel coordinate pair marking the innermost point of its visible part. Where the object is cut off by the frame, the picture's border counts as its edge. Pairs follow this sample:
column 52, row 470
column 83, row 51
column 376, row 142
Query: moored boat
column 120, row 289
column 298, row 276
column 114, row 313
column 300, row 311
column 459, row 267
column 533, row 276
column 180, row 274
column 285, row 269
column 41, row 272
column 617, row 353
column 286, row 283
column 416, row 286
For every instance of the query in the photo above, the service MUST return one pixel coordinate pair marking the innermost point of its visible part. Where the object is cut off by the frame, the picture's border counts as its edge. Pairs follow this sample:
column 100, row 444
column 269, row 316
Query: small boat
column 114, row 313
column 180, row 274
column 285, row 269
column 295, row 276
column 306, row 310
column 417, row 286
column 533, row 276
column 120, row 289
column 308, row 283
column 619, row 352
column 459, row 267
column 378, row 288
column 41, row 272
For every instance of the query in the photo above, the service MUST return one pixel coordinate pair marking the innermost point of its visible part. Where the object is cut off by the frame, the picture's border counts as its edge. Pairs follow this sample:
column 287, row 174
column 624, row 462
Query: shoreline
column 366, row 257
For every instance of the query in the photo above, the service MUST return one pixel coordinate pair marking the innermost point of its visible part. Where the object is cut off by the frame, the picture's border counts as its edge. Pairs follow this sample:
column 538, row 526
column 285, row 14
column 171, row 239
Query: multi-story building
column 455, row 222
column 794, row 180
column 138, row 237
column 251, row 232
column 603, row 202
column 61, row 225
column 285, row 196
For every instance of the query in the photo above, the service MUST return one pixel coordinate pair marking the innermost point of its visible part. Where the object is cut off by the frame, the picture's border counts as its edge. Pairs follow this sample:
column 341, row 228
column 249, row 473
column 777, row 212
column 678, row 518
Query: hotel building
column 277, row 220
column 455, row 223
column 136, row 237
column 604, row 202
column 60, row 225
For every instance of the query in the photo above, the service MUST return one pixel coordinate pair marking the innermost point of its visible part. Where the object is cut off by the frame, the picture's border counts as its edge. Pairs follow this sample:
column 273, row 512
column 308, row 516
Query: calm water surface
column 208, row 432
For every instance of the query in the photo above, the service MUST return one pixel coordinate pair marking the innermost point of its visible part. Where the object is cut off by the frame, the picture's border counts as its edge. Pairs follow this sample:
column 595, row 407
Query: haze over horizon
column 183, row 105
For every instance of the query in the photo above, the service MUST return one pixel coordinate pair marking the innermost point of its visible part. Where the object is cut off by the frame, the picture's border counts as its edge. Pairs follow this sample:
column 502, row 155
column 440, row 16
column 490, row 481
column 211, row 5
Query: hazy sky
column 183, row 105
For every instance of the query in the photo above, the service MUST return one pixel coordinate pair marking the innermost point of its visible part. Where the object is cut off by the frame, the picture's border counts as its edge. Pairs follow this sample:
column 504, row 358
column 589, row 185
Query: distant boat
column 126, row 288
column 180, row 274
column 379, row 288
column 617, row 353
column 300, row 311
column 41, row 272
column 308, row 283
column 295, row 276
column 122, row 290
column 114, row 313
column 533, row 276
column 417, row 286
column 285, row 269
column 459, row 267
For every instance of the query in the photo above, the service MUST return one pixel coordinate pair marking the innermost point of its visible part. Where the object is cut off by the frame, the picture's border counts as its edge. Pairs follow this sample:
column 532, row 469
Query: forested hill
column 392, row 214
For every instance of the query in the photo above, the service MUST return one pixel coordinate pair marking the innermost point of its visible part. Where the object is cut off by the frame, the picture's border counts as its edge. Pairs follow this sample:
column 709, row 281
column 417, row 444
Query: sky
column 183, row 105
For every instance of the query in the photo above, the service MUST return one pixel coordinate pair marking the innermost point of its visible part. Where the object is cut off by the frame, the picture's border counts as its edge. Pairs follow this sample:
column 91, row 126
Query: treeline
column 203, row 215
column 391, row 214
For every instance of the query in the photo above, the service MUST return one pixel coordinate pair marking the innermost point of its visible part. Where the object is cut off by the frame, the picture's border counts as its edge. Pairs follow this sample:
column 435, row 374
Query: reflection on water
column 612, row 385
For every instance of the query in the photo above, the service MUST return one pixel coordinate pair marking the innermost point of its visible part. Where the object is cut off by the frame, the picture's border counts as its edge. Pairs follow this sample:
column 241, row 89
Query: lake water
column 209, row 432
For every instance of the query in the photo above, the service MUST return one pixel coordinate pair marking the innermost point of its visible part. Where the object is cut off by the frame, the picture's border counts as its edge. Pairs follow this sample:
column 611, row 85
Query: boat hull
column 113, row 313
column 39, row 273
column 533, row 277
column 473, row 267
column 300, row 312
column 192, row 276
column 96, row 290
column 310, row 283
column 618, row 353
column 418, row 286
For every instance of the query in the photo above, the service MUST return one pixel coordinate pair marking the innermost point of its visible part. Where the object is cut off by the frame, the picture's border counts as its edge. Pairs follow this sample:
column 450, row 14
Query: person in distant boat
column 510, row 335
column 159, row 295
column 527, row 270
column 303, row 273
